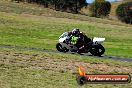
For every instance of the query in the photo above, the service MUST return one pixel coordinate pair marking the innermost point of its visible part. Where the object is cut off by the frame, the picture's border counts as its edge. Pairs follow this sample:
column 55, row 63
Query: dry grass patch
column 37, row 70
column 21, row 60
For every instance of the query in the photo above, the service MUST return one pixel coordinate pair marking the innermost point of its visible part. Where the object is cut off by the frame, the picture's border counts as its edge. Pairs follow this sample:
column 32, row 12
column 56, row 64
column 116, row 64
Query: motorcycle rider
column 79, row 39
column 75, row 36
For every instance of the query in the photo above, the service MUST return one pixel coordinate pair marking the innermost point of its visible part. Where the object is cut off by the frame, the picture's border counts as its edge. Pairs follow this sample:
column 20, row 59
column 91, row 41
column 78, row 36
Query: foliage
column 99, row 0
column 124, row 12
column 100, row 8
column 63, row 5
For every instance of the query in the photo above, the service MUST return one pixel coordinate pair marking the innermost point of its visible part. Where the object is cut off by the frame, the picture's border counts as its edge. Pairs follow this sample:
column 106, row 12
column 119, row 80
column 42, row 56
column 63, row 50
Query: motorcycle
column 95, row 48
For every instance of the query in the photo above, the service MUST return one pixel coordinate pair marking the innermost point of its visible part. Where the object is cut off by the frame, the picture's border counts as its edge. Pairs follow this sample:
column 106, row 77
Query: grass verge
column 35, row 69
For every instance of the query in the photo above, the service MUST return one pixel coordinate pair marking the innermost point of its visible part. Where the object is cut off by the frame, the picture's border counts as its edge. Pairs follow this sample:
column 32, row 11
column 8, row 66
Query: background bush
column 124, row 12
column 100, row 8
column 63, row 5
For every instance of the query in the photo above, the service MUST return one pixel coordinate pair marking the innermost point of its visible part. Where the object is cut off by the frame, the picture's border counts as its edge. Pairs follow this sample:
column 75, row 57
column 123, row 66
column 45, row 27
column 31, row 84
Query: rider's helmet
column 76, row 31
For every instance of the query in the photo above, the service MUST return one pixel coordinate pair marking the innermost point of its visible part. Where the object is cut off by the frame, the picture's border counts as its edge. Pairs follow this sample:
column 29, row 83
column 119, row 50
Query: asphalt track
column 54, row 51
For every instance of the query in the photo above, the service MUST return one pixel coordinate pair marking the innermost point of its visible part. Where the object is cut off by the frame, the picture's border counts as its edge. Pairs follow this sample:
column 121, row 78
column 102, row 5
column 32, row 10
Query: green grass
column 43, row 32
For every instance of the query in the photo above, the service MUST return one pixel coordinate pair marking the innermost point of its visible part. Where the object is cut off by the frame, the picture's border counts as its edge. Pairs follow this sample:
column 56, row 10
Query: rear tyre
column 97, row 50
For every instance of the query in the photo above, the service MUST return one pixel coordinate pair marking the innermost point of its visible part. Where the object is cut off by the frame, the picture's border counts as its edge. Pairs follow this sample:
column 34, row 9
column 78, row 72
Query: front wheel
column 97, row 50
column 60, row 48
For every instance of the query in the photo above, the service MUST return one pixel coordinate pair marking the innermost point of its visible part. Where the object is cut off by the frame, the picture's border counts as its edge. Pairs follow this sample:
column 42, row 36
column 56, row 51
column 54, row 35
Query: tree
column 99, row 0
column 63, row 5
column 124, row 12
column 100, row 8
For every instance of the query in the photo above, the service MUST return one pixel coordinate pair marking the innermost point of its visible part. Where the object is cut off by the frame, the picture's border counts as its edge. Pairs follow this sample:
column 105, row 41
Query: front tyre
column 97, row 50
column 60, row 48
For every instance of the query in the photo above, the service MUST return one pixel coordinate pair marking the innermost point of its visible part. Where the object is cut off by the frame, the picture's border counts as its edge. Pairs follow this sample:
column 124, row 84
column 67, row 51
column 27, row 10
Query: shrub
column 63, row 5
column 100, row 8
column 124, row 12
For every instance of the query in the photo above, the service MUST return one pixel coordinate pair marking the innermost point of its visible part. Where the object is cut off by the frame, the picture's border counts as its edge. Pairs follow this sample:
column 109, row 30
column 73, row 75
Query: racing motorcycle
column 95, row 49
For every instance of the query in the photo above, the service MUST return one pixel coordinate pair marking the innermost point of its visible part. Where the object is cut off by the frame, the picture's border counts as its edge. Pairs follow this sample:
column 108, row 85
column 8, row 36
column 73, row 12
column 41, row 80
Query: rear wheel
column 97, row 50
